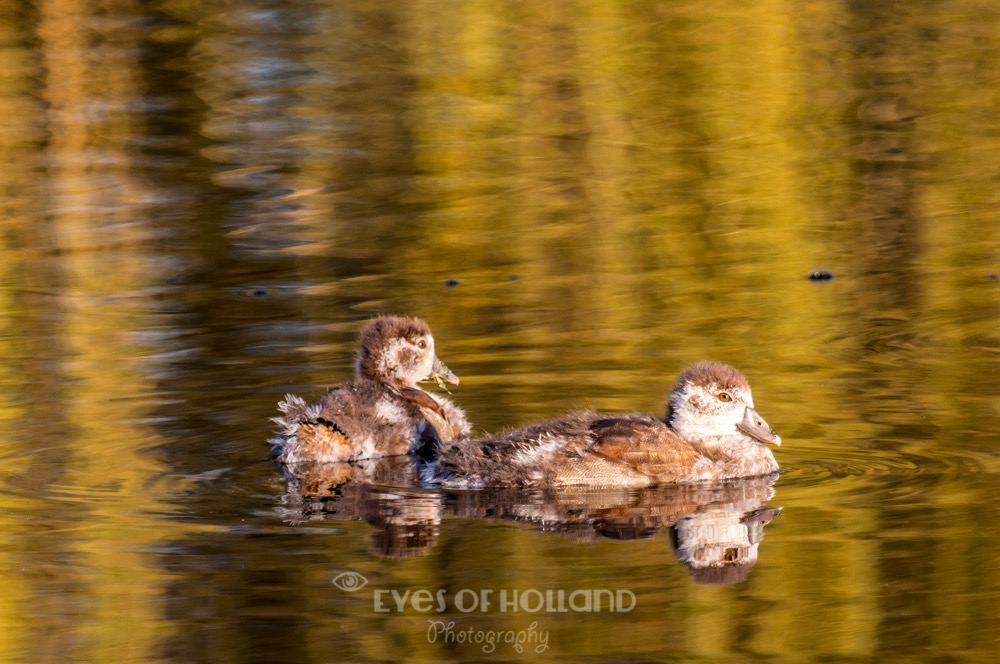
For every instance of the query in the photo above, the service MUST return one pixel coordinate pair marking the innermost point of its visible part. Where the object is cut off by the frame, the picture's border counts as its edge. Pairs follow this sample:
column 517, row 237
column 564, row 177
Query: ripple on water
column 838, row 463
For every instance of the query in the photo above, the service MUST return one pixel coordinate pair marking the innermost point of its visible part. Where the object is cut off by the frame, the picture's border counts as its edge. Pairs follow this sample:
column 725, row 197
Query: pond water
column 203, row 203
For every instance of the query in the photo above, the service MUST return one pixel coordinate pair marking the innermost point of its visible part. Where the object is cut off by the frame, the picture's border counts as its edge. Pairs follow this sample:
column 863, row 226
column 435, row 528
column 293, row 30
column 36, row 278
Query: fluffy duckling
column 711, row 432
column 382, row 412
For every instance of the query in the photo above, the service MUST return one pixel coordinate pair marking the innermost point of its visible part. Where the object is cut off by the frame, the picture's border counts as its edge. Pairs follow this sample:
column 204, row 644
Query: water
column 202, row 205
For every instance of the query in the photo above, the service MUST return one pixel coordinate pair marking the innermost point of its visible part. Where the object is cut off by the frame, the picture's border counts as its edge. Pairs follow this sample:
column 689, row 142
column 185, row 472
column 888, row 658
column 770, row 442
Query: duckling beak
column 754, row 425
column 440, row 371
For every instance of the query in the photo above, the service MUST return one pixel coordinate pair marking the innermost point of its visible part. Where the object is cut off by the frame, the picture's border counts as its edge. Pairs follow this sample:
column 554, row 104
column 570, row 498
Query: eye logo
column 350, row 581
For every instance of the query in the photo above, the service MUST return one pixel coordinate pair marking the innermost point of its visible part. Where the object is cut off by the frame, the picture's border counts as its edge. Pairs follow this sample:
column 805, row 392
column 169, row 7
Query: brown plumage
column 382, row 411
column 711, row 431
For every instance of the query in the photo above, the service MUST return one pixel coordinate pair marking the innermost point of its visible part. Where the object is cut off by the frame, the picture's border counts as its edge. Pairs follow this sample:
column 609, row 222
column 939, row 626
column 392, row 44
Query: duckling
column 711, row 431
column 381, row 412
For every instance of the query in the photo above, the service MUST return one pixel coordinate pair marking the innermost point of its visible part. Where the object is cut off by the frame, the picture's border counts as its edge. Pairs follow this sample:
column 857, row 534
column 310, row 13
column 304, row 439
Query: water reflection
column 405, row 520
column 715, row 528
column 202, row 201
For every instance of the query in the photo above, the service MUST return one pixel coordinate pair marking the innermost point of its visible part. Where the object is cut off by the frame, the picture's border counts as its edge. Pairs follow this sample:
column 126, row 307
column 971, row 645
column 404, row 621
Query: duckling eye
column 725, row 396
column 422, row 344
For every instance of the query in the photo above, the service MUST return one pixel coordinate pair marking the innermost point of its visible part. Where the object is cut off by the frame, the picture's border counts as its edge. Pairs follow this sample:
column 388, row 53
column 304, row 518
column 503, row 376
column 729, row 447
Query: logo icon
column 350, row 581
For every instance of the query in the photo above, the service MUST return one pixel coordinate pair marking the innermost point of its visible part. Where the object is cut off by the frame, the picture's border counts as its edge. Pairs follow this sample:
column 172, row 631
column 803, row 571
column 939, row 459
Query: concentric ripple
column 819, row 466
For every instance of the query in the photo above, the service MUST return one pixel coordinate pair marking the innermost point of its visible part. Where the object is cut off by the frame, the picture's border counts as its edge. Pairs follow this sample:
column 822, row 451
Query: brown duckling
column 382, row 412
column 711, row 432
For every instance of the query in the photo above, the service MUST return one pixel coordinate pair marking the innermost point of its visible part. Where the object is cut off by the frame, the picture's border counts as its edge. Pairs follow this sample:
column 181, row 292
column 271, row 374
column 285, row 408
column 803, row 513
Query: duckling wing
column 447, row 419
column 645, row 445
column 421, row 399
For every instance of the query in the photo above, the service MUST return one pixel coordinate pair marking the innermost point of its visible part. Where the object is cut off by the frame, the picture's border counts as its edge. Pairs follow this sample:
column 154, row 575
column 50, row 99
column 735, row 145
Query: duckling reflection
column 720, row 546
column 715, row 527
column 405, row 520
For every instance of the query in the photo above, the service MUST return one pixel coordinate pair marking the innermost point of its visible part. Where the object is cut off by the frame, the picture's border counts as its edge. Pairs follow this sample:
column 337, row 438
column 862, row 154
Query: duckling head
column 712, row 402
column 400, row 351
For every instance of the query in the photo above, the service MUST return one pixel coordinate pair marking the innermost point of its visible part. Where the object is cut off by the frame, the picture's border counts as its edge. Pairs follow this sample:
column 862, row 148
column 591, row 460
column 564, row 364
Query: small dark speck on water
column 513, row 277
column 451, row 283
column 259, row 292
column 993, row 276
column 820, row 275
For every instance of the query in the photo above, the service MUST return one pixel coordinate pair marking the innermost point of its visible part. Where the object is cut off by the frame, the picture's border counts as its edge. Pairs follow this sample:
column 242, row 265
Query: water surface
column 203, row 204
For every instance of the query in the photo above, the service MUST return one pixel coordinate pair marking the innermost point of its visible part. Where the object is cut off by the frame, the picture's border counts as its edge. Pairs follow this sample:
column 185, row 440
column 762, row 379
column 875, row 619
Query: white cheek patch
column 400, row 357
column 701, row 415
column 746, row 397
column 389, row 358
column 427, row 361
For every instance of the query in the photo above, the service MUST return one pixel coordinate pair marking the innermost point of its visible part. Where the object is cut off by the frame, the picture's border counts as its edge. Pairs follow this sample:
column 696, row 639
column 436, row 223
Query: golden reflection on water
column 200, row 205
